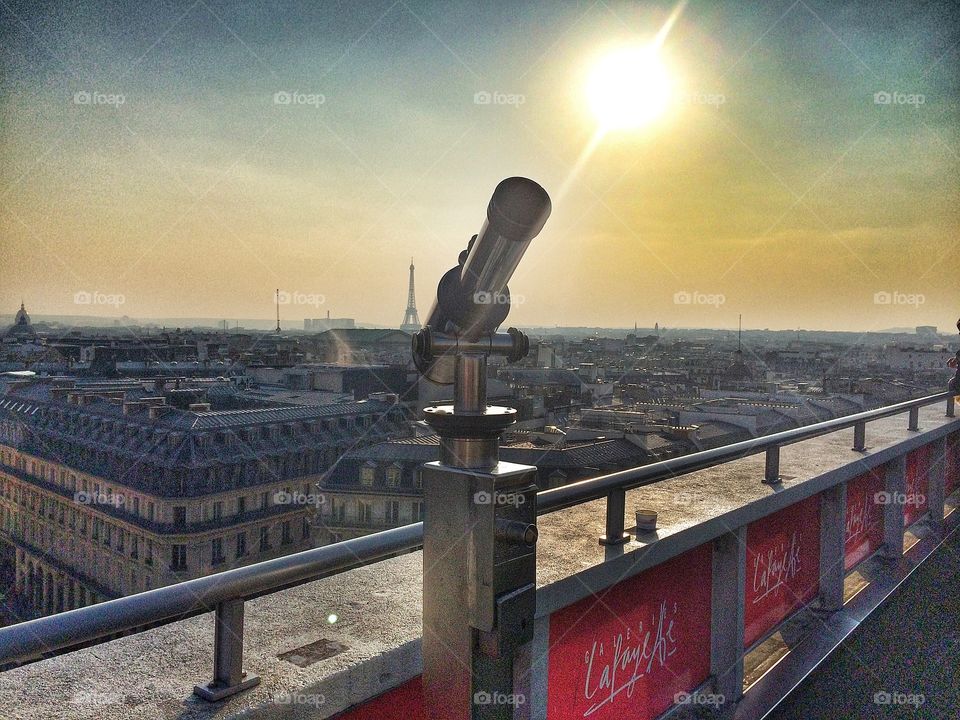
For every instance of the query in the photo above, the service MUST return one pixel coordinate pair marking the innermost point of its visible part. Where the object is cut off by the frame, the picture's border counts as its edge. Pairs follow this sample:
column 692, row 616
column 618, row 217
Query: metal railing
column 224, row 593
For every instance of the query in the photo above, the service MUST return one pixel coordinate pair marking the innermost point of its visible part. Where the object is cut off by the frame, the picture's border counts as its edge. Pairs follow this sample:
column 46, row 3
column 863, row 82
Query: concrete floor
column 910, row 646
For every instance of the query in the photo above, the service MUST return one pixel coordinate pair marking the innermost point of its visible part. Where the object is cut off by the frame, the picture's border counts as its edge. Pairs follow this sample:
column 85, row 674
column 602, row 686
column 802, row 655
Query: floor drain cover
column 314, row 652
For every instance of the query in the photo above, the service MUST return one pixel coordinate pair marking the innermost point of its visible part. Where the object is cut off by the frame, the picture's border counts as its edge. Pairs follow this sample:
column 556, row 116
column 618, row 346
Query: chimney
column 200, row 407
column 131, row 407
column 157, row 411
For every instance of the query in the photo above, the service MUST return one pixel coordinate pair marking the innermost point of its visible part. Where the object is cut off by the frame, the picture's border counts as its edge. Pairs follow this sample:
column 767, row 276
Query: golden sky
column 191, row 158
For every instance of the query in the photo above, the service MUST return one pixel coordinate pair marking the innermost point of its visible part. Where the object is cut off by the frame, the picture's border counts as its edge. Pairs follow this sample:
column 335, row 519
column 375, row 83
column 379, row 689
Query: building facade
column 109, row 489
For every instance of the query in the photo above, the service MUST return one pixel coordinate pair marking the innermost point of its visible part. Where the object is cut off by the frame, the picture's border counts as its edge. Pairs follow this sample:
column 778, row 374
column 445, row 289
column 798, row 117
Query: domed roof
column 21, row 325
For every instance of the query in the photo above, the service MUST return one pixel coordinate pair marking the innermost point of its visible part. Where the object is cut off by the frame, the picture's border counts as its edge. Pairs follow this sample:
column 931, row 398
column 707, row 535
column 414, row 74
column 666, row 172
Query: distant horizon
column 170, row 323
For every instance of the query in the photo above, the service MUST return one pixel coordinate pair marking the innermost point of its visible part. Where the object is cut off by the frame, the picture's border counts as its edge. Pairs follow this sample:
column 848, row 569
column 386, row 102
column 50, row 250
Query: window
column 393, row 476
column 136, row 506
column 418, row 480
column 178, row 557
column 148, row 560
column 364, row 512
column 241, row 544
column 241, row 505
column 366, row 475
column 218, row 510
column 265, row 500
column 304, row 529
column 285, row 537
column 216, row 553
column 150, row 511
column 179, row 515
column 264, row 539
column 393, row 512
column 134, row 547
column 418, row 511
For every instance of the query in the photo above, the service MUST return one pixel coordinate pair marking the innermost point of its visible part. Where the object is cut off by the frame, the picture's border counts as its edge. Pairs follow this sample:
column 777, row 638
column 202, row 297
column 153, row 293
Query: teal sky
column 776, row 185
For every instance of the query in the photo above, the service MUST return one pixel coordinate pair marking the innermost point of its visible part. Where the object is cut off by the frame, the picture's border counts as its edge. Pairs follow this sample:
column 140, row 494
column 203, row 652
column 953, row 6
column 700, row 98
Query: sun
column 628, row 88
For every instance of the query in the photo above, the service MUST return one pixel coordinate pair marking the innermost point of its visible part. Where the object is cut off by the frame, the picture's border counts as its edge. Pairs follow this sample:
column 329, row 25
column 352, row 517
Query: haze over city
column 192, row 158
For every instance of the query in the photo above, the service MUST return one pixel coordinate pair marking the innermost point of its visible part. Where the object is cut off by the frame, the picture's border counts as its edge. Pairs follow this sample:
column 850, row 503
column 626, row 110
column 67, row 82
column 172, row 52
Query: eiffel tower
column 411, row 321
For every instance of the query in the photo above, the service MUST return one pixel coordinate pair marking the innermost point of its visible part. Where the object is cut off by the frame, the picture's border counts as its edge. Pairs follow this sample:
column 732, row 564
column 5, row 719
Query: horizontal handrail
column 29, row 640
column 596, row 488
column 25, row 641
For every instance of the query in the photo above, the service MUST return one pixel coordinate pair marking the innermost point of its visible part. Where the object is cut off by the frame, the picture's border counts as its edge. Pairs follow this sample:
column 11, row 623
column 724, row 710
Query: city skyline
column 193, row 158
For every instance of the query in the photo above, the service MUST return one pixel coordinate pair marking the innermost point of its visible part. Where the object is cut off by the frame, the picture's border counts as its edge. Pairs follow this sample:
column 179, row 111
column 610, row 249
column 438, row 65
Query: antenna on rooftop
column 278, row 310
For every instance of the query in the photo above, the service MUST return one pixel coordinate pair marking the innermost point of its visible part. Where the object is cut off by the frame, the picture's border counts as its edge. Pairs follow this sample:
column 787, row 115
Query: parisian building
column 113, row 488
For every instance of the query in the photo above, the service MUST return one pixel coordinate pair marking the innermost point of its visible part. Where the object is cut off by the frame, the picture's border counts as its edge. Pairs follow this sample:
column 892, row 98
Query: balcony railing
column 224, row 593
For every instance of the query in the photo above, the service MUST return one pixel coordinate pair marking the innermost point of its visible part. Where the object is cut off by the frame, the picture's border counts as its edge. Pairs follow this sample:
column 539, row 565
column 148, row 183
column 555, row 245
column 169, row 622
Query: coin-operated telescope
column 480, row 533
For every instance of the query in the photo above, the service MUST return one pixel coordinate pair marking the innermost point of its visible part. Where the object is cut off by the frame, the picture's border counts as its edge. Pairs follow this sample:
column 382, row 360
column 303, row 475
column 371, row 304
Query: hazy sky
column 145, row 157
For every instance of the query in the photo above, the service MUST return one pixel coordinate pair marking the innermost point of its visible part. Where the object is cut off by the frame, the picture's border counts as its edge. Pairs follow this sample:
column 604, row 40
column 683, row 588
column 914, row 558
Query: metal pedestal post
column 479, row 587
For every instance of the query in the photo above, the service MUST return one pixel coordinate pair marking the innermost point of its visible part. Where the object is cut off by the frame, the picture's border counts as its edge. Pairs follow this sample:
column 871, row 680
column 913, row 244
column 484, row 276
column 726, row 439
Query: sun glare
column 628, row 88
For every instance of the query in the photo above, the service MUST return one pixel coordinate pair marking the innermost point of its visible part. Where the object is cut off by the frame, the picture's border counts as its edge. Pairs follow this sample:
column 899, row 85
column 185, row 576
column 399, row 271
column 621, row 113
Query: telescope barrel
column 517, row 212
column 472, row 298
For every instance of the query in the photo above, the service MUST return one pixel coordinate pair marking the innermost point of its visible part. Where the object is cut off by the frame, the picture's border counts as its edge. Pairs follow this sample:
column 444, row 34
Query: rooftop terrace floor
column 910, row 646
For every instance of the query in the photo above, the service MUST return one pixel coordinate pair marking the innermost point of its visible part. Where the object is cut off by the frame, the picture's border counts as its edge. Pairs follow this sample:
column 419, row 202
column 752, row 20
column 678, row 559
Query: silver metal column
column 895, row 491
column 727, row 623
column 936, row 482
column 229, row 677
column 833, row 516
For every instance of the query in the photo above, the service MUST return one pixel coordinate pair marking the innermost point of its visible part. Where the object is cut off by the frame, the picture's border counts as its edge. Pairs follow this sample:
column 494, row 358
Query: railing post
column 727, row 616
column 860, row 436
column 833, row 517
column 914, row 419
column 616, row 510
column 951, row 401
column 229, row 677
column 771, row 473
column 937, row 481
column 893, row 497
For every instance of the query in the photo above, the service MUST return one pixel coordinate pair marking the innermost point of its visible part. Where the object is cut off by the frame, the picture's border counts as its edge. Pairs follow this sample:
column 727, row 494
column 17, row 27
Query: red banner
column 404, row 702
column 918, row 468
column 783, row 566
column 864, row 520
column 953, row 463
column 629, row 651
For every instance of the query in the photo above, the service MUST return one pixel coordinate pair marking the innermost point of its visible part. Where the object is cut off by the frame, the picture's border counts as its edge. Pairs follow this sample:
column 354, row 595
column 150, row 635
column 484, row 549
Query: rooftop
column 374, row 643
